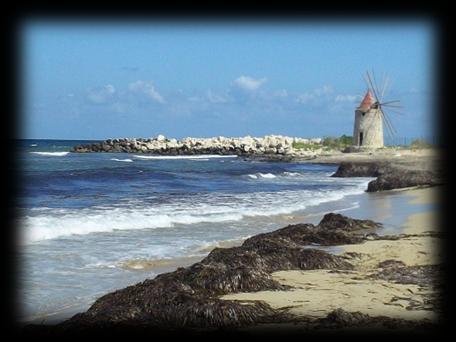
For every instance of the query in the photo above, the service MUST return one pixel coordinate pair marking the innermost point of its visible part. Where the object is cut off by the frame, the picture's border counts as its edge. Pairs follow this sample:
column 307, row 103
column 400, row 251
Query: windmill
column 371, row 116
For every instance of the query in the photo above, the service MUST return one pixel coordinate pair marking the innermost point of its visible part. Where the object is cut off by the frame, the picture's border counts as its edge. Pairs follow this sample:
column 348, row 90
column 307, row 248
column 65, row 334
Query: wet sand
column 315, row 293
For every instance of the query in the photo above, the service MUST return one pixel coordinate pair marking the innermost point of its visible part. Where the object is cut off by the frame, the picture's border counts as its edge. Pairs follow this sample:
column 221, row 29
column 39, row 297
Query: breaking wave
column 48, row 223
column 122, row 160
column 261, row 175
column 51, row 154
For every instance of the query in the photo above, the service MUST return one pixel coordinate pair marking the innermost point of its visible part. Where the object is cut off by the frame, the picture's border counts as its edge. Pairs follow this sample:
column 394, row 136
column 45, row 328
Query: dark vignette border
column 438, row 14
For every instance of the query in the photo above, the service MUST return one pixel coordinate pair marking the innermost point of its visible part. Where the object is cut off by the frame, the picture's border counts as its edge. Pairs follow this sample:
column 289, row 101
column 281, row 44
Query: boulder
column 360, row 169
column 402, row 178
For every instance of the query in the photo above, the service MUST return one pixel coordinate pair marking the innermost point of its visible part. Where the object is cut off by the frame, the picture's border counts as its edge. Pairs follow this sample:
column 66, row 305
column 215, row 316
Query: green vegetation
column 304, row 146
column 328, row 143
column 337, row 143
column 420, row 143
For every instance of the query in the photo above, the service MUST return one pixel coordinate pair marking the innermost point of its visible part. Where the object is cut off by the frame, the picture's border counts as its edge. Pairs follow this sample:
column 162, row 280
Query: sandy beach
column 315, row 293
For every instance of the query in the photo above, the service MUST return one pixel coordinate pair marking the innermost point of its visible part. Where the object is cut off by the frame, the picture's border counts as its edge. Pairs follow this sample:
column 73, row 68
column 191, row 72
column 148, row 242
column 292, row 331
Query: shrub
column 305, row 146
column 420, row 143
column 338, row 143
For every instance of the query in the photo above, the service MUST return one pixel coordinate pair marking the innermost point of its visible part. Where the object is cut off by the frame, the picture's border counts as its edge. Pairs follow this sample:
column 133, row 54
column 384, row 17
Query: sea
column 92, row 223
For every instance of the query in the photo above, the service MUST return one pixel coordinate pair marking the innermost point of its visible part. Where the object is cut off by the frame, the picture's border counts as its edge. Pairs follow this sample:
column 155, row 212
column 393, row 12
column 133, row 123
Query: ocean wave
column 322, row 177
column 51, row 154
column 292, row 174
column 122, row 160
column 261, row 175
column 74, row 222
column 48, row 223
column 191, row 157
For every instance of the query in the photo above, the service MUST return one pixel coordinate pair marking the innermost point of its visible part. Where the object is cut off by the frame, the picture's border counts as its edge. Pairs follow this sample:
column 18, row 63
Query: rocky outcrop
column 360, row 169
column 400, row 178
column 188, row 297
column 389, row 176
column 267, row 145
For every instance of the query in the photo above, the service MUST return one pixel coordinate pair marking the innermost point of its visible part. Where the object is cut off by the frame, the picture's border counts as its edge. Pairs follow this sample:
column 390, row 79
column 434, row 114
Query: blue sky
column 89, row 80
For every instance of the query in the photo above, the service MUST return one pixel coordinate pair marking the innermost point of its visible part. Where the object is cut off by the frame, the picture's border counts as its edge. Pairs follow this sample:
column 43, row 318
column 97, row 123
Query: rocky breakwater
column 269, row 145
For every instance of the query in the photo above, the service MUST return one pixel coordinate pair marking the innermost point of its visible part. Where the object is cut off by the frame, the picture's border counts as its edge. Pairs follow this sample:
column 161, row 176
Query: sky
column 100, row 80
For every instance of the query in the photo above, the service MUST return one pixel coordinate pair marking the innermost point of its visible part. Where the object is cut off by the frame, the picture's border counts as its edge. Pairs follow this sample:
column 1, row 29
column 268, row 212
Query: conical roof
column 367, row 102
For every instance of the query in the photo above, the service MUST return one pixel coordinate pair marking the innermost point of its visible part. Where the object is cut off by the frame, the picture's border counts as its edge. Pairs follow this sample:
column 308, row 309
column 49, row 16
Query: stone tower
column 368, row 130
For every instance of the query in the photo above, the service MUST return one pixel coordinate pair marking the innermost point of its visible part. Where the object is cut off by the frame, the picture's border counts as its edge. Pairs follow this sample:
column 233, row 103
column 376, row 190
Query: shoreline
column 311, row 214
column 413, row 198
column 316, row 293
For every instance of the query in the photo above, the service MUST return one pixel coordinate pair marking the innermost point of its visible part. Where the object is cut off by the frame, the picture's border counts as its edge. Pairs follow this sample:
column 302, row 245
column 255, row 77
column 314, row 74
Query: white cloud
column 194, row 99
column 305, row 98
column 249, row 83
column 315, row 95
column 102, row 94
column 325, row 90
column 215, row 98
column 146, row 88
column 281, row 93
column 346, row 98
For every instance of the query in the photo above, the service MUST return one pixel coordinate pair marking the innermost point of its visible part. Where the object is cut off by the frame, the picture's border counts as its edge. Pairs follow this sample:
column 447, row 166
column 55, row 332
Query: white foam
column 267, row 175
column 48, row 223
column 33, row 145
column 84, row 221
column 122, row 160
column 51, row 154
column 261, row 175
column 191, row 157
column 292, row 174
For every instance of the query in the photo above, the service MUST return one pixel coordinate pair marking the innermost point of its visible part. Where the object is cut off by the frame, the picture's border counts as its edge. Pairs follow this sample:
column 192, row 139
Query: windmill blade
column 392, row 107
column 397, row 111
column 389, row 123
column 385, row 84
column 376, row 85
column 398, row 108
column 388, row 102
column 372, row 86
column 389, row 132
column 367, row 81
column 386, row 123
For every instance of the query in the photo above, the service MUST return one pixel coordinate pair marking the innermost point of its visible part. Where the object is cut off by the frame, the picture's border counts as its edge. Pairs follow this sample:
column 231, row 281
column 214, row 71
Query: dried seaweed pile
column 188, row 297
